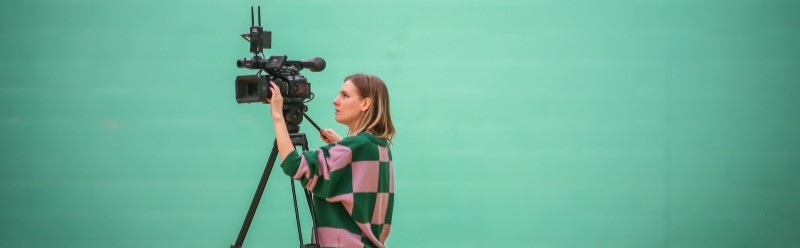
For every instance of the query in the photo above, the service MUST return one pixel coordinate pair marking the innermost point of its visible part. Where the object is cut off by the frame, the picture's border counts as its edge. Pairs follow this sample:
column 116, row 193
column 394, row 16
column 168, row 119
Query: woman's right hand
column 329, row 136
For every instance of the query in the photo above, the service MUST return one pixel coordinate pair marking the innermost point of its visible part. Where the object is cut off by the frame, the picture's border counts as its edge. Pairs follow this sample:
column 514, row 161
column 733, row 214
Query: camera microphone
column 315, row 64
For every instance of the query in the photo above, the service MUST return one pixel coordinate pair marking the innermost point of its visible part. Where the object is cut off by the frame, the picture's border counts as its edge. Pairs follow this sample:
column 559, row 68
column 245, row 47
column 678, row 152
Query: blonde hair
column 376, row 120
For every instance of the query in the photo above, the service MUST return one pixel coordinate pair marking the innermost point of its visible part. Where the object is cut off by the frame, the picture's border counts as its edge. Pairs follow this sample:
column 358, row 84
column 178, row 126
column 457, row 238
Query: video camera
column 295, row 88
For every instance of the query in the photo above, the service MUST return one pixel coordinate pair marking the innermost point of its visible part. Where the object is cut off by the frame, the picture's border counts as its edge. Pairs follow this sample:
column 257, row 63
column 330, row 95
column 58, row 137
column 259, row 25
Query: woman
column 352, row 178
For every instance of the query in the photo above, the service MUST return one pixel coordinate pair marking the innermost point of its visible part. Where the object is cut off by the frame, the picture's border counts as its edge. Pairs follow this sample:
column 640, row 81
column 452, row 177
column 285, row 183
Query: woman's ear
column 365, row 104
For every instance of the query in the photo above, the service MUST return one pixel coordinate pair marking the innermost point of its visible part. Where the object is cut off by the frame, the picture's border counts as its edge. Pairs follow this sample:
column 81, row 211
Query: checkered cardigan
column 353, row 186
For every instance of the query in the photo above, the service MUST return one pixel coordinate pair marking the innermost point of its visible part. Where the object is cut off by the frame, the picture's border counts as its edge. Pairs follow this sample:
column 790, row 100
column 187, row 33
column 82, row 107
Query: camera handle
column 298, row 139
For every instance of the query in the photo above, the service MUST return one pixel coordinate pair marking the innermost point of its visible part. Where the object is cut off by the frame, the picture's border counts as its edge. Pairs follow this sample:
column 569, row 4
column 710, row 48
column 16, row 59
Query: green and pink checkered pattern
column 353, row 186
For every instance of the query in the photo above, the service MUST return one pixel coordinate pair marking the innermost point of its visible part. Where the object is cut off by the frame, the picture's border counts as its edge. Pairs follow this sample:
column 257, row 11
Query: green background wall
column 545, row 123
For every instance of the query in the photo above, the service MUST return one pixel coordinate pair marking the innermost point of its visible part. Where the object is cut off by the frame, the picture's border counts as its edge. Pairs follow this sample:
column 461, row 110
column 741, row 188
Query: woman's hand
column 329, row 136
column 276, row 101
column 285, row 146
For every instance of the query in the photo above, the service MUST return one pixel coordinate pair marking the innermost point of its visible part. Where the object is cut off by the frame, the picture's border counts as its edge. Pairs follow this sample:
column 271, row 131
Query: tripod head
column 293, row 116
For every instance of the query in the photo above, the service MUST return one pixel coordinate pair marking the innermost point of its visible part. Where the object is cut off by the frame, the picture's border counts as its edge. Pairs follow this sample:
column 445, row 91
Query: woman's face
column 349, row 105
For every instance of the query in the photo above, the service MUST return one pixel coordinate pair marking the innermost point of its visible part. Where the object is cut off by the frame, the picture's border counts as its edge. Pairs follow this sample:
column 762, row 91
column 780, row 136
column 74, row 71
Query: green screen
column 542, row 123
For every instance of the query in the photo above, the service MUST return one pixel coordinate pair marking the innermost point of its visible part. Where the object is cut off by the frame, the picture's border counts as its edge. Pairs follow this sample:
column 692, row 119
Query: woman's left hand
column 276, row 101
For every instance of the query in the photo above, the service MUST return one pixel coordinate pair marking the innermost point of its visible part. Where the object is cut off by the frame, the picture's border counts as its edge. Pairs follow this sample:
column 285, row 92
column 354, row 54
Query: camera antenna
column 259, row 15
column 252, row 20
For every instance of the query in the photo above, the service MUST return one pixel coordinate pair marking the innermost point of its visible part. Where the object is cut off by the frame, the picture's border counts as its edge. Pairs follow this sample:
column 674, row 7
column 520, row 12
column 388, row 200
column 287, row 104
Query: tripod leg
column 315, row 234
column 299, row 139
column 296, row 213
column 257, row 197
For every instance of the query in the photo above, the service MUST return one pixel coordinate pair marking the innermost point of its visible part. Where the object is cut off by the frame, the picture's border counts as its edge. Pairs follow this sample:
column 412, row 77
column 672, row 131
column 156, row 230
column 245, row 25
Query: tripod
column 298, row 139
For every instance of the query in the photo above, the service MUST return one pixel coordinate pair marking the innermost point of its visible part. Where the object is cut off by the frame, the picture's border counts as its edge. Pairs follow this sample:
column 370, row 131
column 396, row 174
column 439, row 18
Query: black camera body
column 285, row 73
column 255, row 88
column 294, row 87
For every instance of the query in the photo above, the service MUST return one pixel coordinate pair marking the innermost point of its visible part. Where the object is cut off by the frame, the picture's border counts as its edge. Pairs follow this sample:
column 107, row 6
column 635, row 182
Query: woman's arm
column 285, row 145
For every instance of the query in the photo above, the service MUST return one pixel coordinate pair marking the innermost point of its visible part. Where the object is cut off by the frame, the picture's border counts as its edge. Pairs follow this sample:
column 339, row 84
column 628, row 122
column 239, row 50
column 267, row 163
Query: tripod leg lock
column 299, row 139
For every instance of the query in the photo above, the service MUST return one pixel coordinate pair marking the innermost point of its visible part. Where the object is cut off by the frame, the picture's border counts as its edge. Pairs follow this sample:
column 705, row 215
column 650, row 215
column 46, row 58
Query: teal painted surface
column 520, row 123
